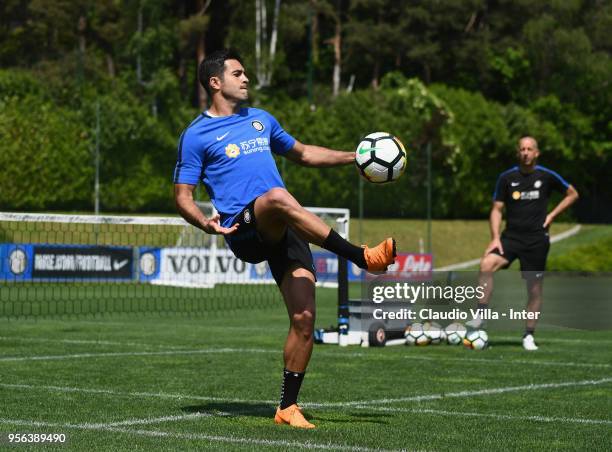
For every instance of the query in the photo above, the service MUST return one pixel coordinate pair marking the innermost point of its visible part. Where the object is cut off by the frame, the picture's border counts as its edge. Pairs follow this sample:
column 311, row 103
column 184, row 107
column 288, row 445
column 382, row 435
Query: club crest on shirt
column 258, row 125
column 232, row 150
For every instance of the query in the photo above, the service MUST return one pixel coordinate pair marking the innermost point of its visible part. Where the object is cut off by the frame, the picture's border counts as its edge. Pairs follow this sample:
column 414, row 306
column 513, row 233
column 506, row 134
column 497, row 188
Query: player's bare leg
column 489, row 264
column 298, row 289
column 534, row 304
column 277, row 209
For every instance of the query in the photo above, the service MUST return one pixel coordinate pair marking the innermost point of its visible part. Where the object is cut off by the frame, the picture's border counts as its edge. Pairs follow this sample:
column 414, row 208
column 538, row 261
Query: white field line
column 319, row 351
column 190, row 436
column 500, row 416
column 155, row 395
column 473, row 262
column 479, row 392
column 86, row 342
column 361, row 403
column 559, row 340
column 159, row 420
column 512, row 361
column 120, row 354
column 263, row 350
column 563, row 235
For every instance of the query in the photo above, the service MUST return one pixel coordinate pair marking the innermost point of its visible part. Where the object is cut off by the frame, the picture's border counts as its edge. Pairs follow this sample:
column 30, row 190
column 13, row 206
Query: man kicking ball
column 229, row 149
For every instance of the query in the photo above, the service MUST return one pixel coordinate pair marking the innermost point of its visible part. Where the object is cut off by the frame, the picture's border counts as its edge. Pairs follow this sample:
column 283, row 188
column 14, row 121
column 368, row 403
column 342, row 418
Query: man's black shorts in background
column 530, row 249
column 247, row 245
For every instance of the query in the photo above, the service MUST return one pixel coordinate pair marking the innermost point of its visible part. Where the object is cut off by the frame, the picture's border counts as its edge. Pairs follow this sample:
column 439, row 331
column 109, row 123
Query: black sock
column 344, row 248
column 292, row 381
column 529, row 331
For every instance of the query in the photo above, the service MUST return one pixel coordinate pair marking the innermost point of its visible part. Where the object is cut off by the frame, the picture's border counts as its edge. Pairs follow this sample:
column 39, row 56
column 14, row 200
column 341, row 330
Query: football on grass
column 434, row 332
column 455, row 333
column 477, row 339
column 415, row 335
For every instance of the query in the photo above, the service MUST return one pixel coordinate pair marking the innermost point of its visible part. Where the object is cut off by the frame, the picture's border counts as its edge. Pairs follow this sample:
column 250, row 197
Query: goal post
column 52, row 264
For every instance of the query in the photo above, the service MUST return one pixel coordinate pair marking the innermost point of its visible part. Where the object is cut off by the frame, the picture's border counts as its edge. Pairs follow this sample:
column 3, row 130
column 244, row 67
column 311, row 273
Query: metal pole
column 360, row 210
column 97, row 162
column 429, row 197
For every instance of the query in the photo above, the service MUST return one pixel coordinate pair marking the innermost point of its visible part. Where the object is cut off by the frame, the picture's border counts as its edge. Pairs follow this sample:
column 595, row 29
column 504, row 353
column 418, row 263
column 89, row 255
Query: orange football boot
column 381, row 256
column 293, row 416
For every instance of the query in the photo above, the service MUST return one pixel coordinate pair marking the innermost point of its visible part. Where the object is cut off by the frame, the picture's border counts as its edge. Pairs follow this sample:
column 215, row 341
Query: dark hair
column 214, row 65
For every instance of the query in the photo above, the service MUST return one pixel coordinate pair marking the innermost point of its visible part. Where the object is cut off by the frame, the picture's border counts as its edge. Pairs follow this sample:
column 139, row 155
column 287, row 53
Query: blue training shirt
column 232, row 156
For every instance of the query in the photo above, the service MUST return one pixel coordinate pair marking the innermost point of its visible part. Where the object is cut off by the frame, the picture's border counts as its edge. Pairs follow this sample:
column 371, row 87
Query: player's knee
column 303, row 323
column 487, row 265
column 279, row 199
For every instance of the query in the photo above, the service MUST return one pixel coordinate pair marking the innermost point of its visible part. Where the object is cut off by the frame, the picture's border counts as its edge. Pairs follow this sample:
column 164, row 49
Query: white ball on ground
column 415, row 335
column 476, row 340
column 434, row 332
column 455, row 333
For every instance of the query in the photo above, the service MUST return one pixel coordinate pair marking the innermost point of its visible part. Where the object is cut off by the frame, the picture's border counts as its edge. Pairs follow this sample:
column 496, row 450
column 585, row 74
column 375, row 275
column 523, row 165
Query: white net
column 84, row 263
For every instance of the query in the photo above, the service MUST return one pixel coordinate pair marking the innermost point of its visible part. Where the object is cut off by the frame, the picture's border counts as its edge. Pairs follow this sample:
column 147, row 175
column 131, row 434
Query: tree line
column 467, row 76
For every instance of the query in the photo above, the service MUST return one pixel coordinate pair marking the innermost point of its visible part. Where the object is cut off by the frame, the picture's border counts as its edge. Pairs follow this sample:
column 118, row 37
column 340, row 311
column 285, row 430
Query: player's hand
column 548, row 221
column 213, row 226
column 495, row 243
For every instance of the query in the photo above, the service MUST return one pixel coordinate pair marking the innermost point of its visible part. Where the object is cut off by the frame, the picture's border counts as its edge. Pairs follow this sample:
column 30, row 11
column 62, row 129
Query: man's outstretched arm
column 571, row 195
column 318, row 156
column 186, row 206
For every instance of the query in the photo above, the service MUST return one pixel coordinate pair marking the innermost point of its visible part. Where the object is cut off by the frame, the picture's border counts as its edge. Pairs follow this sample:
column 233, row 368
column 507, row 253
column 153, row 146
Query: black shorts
column 247, row 245
column 530, row 250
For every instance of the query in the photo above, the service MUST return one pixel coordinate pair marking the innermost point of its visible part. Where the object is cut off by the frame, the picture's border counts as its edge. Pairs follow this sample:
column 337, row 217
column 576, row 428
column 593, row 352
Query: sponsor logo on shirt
column 526, row 195
column 232, row 150
column 537, row 184
column 255, row 145
column 529, row 195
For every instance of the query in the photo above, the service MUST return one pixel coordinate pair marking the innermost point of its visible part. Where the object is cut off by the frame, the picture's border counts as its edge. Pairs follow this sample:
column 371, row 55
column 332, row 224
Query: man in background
column 524, row 191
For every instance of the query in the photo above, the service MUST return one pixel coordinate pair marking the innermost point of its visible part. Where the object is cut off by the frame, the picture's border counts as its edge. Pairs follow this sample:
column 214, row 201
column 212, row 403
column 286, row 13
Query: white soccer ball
column 380, row 157
column 415, row 335
column 477, row 339
column 434, row 332
column 455, row 333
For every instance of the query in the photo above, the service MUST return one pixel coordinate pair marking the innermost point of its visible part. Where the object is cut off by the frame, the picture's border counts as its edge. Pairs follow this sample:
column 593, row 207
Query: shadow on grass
column 233, row 409
column 267, row 412
column 506, row 343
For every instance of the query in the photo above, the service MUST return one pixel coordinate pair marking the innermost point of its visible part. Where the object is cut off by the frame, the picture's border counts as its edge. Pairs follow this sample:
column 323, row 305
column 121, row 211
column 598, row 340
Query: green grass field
column 201, row 368
column 212, row 382
column 453, row 241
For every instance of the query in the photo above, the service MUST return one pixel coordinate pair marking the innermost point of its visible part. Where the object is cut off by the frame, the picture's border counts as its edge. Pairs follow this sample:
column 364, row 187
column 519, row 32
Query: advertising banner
column 65, row 262
column 185, row 266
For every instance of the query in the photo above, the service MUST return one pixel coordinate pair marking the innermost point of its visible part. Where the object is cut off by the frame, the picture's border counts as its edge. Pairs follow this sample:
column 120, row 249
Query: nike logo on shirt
column 514, row 184
column 222, row 136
